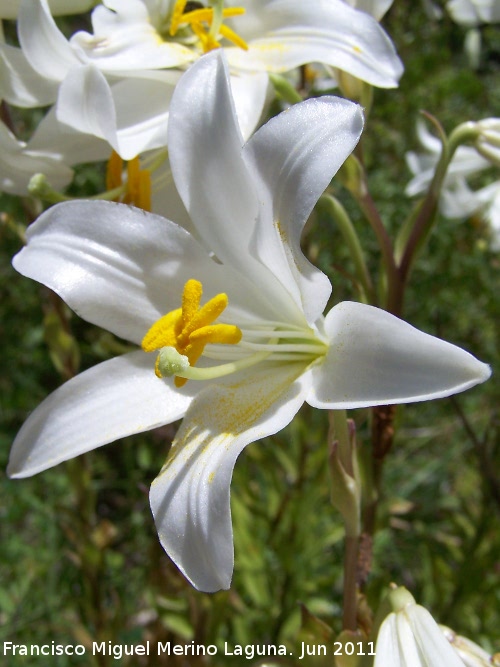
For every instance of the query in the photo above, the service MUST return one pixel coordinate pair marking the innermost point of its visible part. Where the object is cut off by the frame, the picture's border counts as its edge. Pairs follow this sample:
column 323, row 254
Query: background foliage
column 79, row 554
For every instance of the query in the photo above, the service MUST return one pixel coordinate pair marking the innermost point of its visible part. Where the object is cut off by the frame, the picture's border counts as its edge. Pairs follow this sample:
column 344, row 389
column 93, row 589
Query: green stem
column 284, row 89
column 425, row 219
column 340, row 437
column 346, row 228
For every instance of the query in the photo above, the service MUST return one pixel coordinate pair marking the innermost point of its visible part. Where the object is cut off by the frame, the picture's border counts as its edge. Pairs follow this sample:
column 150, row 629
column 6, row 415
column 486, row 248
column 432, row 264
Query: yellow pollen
column 197, row 17
column 189, row 328
column 137, row 189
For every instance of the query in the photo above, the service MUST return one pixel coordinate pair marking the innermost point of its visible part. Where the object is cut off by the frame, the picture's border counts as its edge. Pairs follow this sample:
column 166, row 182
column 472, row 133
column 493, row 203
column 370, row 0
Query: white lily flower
column 376, row 8
column 470, row 653
column 465, row 162
column 474, row 12
column 458, row 200
column 139, row 48
column 410, row 637
column 9, row 9
column 273, row 349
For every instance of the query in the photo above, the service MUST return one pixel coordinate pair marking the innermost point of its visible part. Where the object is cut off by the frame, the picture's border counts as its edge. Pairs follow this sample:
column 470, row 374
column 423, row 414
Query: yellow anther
column 217, row 333
column 164, row 332
column 208, row 43
column 189, row 328
column 176, row 16
column 208, row 36
column 114, row 171
column 233, row 37
column 197, row 15
column 137, row 188
column 203, row 317
column 191, row 297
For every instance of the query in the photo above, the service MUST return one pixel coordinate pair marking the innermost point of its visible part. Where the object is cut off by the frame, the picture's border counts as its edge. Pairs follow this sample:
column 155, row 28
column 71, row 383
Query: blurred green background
column 79, row 556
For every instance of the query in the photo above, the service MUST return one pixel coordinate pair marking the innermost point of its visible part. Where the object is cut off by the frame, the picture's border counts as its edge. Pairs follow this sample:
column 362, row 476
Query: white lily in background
column 19, row 162
column 474, row 12
column 376, row 8
column 253, row 348
column 9, row 9
column 470, row 653
column 410, row 637
column 458, row 200
column 139, row 48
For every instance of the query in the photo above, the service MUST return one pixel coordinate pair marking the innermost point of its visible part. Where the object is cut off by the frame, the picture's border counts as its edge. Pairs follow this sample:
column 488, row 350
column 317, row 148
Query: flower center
column 207, row 23
column 180, row 338
column 136, row 189
column 189, row 328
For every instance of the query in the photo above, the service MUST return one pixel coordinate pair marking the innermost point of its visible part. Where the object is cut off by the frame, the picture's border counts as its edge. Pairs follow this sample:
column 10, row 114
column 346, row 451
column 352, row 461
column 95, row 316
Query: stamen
column 114, row 171
column 137, row 189
column 211, row 16
column 190, row 328
column 233, row 37
column 180, row 337
column 176, row 16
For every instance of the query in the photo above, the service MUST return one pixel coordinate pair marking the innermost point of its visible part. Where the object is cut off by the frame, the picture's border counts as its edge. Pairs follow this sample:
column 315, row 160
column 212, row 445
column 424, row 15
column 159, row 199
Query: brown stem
column 350, row 597
column 382, row 440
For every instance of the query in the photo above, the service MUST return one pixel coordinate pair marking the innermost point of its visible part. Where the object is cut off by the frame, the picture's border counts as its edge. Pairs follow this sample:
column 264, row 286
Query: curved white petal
column 294, row 157
column 71, row 146
column 205, row 153
column 249, row 95
column 18, row 163
column 44, row 45
column 9, row 8
column 122, row 268
column 377, row 8
column 212, row 178
column 430, row 638
column 20, row 84
column 396, row 645
column 125, row 40
column 117, row 113
column 292, row 33
column 190, row 497
column 114, row 399
column 376, row 359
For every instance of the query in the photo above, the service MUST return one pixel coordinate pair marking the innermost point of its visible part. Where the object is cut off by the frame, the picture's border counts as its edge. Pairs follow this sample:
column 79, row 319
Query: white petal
column 293, row 34
column 212, row 178
column 205, row 153
column 114, row 399
column 117, row 113
column 190, row 497
column 122, row 268
column 430, row 639
column 20, row 84
column 464, row 12
column 71, row 146
column 377, row 8
column 396, row 645
column 249, row 94
column 295, row 156
column 124, row 40
column 46, row 48
column 376, row 359
column 18, row 164
column 10, row 8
